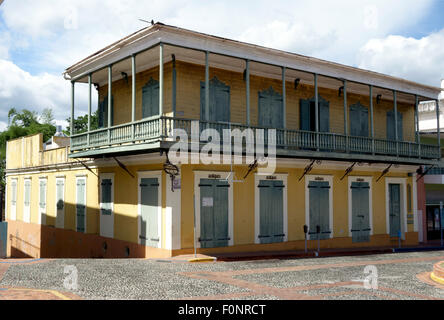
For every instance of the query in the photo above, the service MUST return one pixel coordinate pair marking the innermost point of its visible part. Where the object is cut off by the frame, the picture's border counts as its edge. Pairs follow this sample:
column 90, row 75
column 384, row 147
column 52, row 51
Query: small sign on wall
column 176, row 184
column 207, row 201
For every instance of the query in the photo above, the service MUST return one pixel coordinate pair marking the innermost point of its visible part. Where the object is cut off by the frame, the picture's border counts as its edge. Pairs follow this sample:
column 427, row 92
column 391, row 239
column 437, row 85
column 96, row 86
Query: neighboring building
column 432, row 186
column 347, row 155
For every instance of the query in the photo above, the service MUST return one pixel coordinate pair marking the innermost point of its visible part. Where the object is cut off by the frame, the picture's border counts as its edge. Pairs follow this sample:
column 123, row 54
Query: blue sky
column 39, row 39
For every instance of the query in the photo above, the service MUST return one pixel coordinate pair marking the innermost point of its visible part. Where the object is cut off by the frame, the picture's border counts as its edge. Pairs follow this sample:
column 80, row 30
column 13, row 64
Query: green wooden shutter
column 324, row 116
column 213, row 216
column 222, row 102
column 355, row 123
column 364, row 122
column 101, row 115
column 14, row 193
column 27, row 193
column 106, row 196
column 59, row 195
column 395, row 209
column 319, row 209
column 150, row 99
column 149, row 234
column 391, row 125
column 42, row 199
column 202, row 102
column 81, row 205
column 314, row 207
column 304, row 115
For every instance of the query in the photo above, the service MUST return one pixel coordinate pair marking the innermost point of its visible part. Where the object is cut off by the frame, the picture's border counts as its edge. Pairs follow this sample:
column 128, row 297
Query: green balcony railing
column 161, row 129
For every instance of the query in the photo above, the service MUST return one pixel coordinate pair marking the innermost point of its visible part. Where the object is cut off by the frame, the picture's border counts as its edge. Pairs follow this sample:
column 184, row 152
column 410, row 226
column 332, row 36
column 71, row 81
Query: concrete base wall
column 28, row 240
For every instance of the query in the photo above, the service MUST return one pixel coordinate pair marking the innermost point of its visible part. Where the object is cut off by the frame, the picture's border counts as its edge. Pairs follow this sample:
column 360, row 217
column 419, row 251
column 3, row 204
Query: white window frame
column 13, row 208
column 369, row 180
column 85, row 199
column 142, row 175
column 60, row 222
column 257, row 223
column 109, row 218
column 326, row 178
column 223, row 176
column 27, row 218
column 43, row 211
column 403, row 204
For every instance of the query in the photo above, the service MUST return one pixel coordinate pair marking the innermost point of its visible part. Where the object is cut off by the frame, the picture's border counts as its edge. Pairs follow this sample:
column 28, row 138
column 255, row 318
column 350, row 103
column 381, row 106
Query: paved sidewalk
column 399, row 276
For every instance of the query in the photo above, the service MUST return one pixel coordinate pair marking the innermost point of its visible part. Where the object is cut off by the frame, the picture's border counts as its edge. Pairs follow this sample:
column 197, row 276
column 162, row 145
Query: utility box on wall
column 3, row 239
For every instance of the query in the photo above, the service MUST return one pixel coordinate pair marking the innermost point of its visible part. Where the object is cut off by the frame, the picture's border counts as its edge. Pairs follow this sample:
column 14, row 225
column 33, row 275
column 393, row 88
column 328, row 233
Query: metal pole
column 395, row 107
column 316, row 110
column 418, row 141
column 438, row 129
column 89, row 105
column 441, row 222
column 72, row 109
column 194, row 215
column 161, row 79
column 110, row 77
column 207, row 87
column 247, row 89
column 133, row 95
column 372, row 125
column 345, row 116
column 284, row 105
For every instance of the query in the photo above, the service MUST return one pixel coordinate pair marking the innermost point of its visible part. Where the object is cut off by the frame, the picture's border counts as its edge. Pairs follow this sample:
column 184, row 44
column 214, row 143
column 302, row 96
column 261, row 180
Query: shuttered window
column 150, row 99
column 219, row 101
column 106, row 197
column 14, row 192
column 359, row 120
column 391, row 134
column 81, row 205
column 103, row 112
column 307, row 115
column 271, row 109
column 27, row 193
column 42, row 196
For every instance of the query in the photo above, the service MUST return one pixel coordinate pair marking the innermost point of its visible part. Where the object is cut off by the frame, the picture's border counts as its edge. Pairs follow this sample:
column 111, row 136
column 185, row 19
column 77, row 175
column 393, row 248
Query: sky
column 40, row 39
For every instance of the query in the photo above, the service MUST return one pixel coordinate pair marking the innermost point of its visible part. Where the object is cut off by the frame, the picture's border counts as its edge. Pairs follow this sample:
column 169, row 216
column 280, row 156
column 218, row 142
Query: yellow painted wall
column 244, row 202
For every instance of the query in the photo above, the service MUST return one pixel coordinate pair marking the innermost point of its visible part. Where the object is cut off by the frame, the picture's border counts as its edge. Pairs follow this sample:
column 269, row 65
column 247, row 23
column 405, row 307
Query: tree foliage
column 21, row 124
column 81, row 123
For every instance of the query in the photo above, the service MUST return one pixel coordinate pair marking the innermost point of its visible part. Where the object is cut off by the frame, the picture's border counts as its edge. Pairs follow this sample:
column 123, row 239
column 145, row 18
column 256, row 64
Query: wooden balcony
column 157, row 133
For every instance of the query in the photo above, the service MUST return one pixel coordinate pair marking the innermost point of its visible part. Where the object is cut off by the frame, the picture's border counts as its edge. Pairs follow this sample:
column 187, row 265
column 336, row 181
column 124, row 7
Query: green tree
column 81, row 123
column 47, row 116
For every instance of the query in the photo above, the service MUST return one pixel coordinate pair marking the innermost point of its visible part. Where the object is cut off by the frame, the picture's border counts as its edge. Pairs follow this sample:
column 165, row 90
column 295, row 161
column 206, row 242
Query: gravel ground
column 161, row 279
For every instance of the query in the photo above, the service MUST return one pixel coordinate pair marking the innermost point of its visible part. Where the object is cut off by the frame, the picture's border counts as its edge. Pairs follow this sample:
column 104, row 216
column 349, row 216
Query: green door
column 42, row 201
column 391, row 134
column 150, row 99
column 213, row 213
column 360, row 211
column 103, row 112
column 81, row 205
column 319, row 209
column 307, row 115
column 60, row 203
column 219, row 101
column 271, row 211
column 395, row 209
column 149, row 224
column 358, row 120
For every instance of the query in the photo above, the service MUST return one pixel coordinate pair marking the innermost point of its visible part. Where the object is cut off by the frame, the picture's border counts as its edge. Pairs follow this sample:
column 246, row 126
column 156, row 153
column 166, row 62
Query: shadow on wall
column 28, row 240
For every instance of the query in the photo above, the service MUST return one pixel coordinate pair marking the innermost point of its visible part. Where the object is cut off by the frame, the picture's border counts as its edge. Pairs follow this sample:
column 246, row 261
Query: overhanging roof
column 157, row 33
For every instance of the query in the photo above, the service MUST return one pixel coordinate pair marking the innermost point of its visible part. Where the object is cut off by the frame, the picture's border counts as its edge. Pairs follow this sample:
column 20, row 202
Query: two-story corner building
column 347, row 149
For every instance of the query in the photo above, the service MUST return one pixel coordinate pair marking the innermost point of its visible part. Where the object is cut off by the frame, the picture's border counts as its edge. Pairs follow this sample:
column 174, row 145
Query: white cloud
column 420, row 60
column 51, row 35
column 22, row 90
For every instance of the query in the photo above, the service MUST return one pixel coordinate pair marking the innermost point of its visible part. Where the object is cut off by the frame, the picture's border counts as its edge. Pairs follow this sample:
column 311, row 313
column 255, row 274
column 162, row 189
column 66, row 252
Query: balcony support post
column 316, row 110
column 110, row 81
column 284, row 105
column 247, row 89
column 72, row 109
column 372, row 124
column 345, row 117
column 133, row 95
column 162, row 124
column 395, row 109
column 89, row 105
column 207, row 87
column 418, row 141
column 438, row 129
